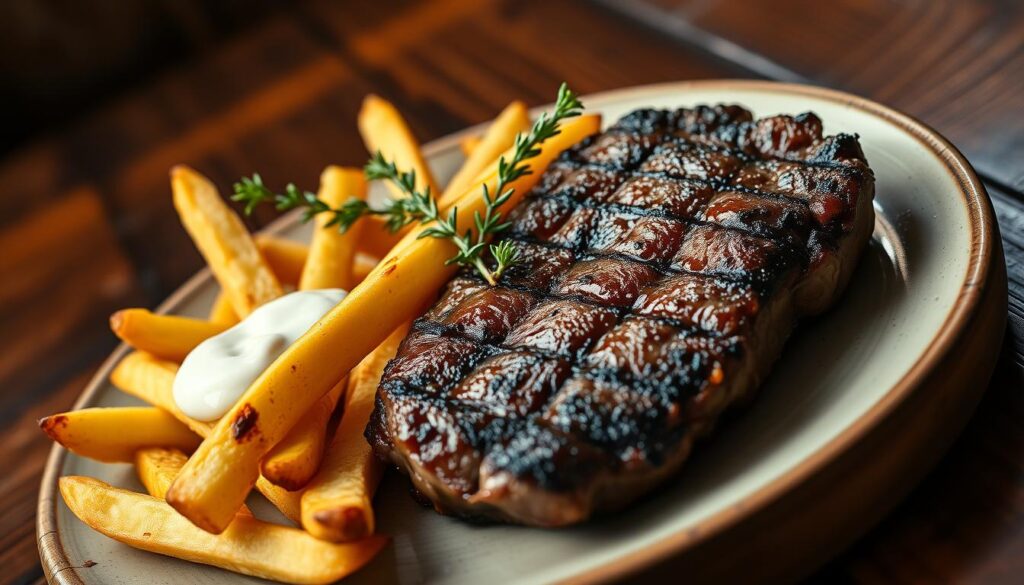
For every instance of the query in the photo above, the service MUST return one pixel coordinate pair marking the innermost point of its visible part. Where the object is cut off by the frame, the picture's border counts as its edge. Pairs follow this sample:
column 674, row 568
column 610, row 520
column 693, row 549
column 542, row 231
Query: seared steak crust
column 663, row 263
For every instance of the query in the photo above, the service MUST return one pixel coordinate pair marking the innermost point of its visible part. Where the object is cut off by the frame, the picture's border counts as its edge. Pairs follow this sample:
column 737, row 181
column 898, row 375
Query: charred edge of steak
column 663, row 263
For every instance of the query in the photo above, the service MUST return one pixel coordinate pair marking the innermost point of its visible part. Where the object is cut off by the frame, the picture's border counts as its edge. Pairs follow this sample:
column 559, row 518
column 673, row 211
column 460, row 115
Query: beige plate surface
column 911, row 296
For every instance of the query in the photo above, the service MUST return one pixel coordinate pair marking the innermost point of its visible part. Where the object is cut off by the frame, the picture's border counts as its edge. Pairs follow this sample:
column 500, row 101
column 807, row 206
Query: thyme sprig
column 252, row 192
column 415, row 206
column 422, row 206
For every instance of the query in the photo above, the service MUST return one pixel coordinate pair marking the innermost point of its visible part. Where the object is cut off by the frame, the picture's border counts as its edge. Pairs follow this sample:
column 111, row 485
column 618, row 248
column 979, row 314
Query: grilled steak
column 663, row 264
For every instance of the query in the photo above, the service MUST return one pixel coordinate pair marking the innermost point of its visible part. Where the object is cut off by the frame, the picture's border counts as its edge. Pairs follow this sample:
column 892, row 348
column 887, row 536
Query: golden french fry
column 377, row 240
column 249, row 546
column 222, row 312
column 288, row 503
column 329, row 263
column 383, row 128
column 166, row 336
column 295, row 460
column 223, row 241
column 246, row 273
column 500, row 136
column 115, row 434
column 468, row 144
column 574, row 130
column 151, row 380
column 216, row 479
column 336, row 505
column 286, row 258
column 157, row 467
column 361, row 266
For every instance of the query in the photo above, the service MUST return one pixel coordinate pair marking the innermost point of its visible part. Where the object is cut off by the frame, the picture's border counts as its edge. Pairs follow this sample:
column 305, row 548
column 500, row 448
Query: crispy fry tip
column 117, row 321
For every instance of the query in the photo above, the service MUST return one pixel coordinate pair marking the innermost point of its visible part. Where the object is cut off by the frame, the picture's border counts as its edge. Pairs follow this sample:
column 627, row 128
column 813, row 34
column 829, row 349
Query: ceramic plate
column 918, row 291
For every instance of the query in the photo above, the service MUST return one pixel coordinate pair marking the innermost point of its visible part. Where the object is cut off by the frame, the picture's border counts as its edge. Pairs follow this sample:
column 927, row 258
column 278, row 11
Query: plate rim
column 983, row 237
column 982, row 243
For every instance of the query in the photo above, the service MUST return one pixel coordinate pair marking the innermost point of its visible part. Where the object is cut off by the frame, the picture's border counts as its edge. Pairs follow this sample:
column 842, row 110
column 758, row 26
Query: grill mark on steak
column 663, row 263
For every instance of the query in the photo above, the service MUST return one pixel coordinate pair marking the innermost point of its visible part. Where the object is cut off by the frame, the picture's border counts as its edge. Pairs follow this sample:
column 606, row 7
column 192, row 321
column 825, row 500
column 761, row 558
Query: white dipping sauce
column 219, row 370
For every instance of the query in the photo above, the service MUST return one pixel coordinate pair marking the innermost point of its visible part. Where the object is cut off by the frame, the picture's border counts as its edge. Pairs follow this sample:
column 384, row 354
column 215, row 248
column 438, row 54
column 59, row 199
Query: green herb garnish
column 421, row 207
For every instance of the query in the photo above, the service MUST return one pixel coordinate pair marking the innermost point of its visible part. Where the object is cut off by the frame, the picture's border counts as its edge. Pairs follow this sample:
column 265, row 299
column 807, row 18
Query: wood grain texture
column 1009, row 208
column 957, row 65
column 60, row 59
column 279, row 96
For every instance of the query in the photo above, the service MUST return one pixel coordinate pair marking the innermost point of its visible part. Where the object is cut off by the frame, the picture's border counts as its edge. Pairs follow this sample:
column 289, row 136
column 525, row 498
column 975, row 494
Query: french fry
column 157, row 467
column 166, row 336
column 249, row 546
column 295, row 460
column 223, row 241
column 215, row 481
column 361, row 266
column 472, row 197
column 286, row 258
column 151, row 380
column 383, row 128
column 294, row 466
column 377, row 240
column 329, row 263
column 222, row 312
column 500, row 136
column 288, row 503
column 468, row 144
column 114, row 435
column 336, row 505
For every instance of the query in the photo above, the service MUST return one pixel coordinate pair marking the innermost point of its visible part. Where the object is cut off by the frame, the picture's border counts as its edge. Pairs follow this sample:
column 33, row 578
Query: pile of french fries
column 310, row 462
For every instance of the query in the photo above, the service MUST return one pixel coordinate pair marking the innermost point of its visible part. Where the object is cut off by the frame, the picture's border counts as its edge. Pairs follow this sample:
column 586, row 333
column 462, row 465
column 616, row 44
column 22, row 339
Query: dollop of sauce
column 219, row 370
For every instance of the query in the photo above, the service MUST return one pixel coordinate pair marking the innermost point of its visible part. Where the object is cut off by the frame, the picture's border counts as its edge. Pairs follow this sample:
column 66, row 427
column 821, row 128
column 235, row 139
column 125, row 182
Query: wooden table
column 86, row 224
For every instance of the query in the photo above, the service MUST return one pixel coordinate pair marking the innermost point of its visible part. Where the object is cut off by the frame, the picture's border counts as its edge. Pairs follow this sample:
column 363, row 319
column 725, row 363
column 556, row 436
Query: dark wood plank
column 64, row 272
column 62, row 59
column 955, row 64
column 1010, row 214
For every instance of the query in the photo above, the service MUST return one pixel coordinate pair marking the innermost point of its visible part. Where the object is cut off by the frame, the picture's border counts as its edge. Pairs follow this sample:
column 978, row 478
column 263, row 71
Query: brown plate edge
column 58, row 568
